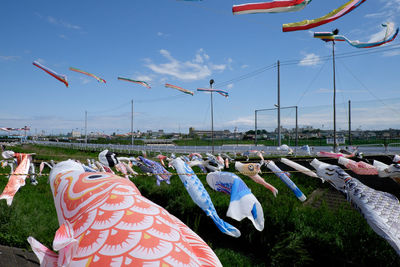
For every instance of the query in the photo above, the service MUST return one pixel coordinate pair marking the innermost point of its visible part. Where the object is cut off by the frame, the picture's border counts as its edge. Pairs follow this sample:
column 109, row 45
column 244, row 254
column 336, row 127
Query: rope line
column 200, row 173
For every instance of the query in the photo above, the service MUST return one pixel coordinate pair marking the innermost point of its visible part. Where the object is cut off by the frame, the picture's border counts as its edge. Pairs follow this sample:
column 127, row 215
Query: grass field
column 294, row 234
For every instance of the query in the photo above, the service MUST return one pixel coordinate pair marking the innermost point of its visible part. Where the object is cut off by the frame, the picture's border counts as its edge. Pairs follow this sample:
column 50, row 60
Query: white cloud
column 391, row 53
column 220, row 67
column 242, row 122
column 41, row 61
column 229, row 86
column 9, row 58
column 52, row 20
column 145, row 78
column 310, row 60
column 67, row 25
column 162, row 34
column 375, row 15
column 85, row 80
column 230, row 61
column 370, row 116
column 390, row 10
column 196, row 69
column 198, row 59
column 244, row 66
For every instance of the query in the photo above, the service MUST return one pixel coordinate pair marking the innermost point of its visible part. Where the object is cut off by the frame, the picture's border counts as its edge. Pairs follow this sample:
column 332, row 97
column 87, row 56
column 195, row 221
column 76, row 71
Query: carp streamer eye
column 250, row 167
column 95, row 176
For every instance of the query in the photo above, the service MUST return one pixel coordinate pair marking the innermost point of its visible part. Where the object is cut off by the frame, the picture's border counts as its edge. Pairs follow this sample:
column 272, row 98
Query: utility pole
column 212, row 117
column 132, row 123
column 255, row 127
column 334, row 96
column 85, row 126
column 279, row 106
column 349, row 122
column 297, row 128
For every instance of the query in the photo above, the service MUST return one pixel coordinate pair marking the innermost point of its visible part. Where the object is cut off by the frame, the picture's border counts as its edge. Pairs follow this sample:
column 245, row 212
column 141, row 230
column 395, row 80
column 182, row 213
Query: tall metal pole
column 334, row 98
column 349, row 122
column 279, row 106
column 255, row 127
column 297, row 129
column 85, row 126
column 132, row 123
column 212, row 117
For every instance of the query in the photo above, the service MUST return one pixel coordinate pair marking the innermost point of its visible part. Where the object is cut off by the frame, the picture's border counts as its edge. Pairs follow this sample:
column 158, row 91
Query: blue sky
column 187, row 44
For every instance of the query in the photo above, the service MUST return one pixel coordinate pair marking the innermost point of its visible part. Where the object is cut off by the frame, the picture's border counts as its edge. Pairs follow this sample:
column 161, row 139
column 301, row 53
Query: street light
column 332, row 39
column 212, row 117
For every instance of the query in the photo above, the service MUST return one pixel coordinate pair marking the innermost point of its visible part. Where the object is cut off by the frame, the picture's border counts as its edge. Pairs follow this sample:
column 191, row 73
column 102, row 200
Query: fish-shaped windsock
column 120, row 166
column 162, row 175
column 108, row 158
column 285, row 148
column 213, row 163
column 200, row 196
column 299, row 167
column 161, row 158
column 17, row 178
column 129, row 168
column 380, row 209
column 220, row 160
column 306, row 149
column 384, row 170
column 285, row 178
column 3, row 163
column 360, row 167
column 199, row 163
column 381, row 167
column 191, row 155
column 143, row 167
column 252, row 170
column 334, row 155
column 243, row 203
column 105, row 221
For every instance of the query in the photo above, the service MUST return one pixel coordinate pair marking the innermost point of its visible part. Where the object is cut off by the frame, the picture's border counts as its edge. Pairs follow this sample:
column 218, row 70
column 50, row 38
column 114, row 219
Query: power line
column 365, row 87
column 309, row 61
column 247, row 75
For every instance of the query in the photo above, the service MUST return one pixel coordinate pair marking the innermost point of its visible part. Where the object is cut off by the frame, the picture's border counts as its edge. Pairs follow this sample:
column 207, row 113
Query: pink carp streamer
column 270, row 7
column 88, row 74
column 61, row 78
column 17, row 179
column 145, row 84
column 331, row 16
column 334, row 155
column 361, row 167
column 105, row 221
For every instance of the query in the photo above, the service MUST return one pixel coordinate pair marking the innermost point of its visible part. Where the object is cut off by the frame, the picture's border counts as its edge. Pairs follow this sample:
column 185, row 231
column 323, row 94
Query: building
column 207, row 133
column 76, row 134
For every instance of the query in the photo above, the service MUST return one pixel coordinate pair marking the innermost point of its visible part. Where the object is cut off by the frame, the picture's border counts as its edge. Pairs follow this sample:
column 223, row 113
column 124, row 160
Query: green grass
column 294, row 234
